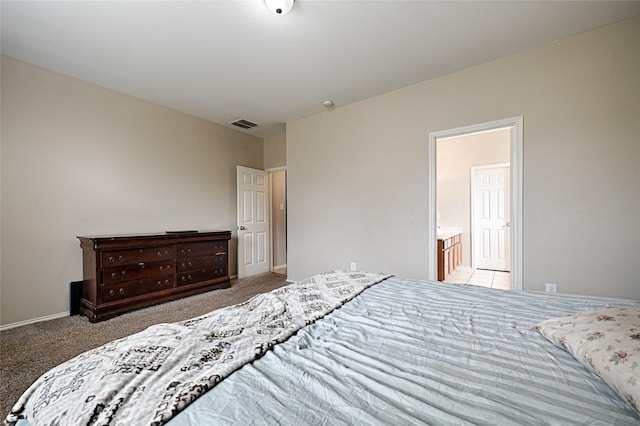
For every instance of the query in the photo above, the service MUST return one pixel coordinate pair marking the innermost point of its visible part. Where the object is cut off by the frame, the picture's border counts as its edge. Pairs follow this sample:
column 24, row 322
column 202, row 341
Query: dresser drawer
column 195, row 263
column 136, row 271
column 133, row 288
column 209, row 248
column 221, row 259
column 194, row 277
column 125, row 257
column 189, row 264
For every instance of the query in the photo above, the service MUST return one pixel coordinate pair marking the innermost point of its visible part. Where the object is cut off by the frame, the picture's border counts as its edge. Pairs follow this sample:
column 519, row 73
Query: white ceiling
column 223, row 60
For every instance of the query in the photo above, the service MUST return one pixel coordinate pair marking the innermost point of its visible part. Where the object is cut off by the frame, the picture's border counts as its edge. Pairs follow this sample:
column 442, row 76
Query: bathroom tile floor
column 481, row 277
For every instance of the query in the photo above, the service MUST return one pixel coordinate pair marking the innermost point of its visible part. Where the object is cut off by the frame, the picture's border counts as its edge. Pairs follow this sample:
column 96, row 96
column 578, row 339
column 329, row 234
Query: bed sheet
column 408, row 352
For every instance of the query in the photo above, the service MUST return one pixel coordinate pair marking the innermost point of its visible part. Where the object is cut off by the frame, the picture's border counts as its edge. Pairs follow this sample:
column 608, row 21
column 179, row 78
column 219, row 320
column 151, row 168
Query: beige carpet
column 29, row 351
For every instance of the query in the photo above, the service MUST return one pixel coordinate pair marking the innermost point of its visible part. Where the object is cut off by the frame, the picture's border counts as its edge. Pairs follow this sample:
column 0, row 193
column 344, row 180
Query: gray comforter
column 408, row 352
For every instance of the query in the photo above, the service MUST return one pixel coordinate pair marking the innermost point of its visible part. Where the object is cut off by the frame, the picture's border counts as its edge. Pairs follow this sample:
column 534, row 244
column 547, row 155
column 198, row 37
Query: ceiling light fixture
column 279, row 7
column 328, row 104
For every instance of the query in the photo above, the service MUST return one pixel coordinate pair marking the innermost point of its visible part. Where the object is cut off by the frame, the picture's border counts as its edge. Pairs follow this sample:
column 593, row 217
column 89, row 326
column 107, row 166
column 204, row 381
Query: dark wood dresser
column 126, row 272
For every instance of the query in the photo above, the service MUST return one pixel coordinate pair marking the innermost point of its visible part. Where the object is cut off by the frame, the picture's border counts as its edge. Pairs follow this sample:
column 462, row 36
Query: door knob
column 242, row 228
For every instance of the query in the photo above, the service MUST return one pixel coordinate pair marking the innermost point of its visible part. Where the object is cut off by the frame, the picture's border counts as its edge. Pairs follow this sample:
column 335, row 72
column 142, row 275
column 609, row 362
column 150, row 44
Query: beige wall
column 455, row 157
column 357, row 176
column 78, row 159
column 275, row 151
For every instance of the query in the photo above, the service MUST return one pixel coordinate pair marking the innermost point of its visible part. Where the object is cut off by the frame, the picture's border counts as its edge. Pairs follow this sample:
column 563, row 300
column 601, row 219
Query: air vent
column 243, row 124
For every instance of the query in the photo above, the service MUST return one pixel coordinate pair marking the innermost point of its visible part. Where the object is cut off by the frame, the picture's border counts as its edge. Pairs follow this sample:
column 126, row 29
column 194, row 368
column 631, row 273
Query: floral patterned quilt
column 148, row 377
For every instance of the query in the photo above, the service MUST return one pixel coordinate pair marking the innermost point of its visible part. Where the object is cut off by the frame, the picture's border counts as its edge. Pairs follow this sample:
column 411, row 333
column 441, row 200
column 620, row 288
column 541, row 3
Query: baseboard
column 33, row 321
column 280, row 269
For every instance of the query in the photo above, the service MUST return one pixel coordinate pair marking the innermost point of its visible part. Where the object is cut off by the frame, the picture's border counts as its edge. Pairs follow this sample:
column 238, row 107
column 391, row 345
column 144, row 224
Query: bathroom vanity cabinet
column 449, row 254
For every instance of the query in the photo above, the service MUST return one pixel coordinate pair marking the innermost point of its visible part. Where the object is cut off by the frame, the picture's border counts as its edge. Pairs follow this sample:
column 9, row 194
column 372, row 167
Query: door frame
column 474, row 189
column 515, row 124
column 270, row 171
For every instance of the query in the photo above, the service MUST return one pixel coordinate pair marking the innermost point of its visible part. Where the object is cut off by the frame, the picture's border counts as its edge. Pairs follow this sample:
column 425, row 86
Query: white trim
column 517, row 212
column 474, row 244
column 270, row 176
column 479, row 132
column 34, row 320
column 432, row 240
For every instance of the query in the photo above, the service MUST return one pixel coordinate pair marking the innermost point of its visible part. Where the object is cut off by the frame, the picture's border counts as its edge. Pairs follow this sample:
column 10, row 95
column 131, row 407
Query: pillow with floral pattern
column 606, row 341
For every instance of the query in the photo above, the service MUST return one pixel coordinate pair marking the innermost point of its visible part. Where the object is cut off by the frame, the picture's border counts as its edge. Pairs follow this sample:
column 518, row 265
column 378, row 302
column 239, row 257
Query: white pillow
column 607, row 341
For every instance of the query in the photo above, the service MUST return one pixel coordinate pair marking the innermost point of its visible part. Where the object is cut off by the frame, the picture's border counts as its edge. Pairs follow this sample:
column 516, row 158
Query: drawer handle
column 159, row 283
column 112, row 293
column 120, row 257
column 111, row 259
column 141, row 264
column 113, row 275
column 161, row 268
column 221, row 253
column 122, row 291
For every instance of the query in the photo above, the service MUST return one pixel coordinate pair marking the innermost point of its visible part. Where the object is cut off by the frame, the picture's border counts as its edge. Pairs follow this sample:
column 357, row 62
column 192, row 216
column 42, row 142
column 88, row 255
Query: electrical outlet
column 551, row 288
column 353, row 266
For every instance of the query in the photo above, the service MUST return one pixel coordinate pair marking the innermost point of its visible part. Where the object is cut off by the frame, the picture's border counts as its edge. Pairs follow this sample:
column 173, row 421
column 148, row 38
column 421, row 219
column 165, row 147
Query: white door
column 253, row 221
column 491, row 217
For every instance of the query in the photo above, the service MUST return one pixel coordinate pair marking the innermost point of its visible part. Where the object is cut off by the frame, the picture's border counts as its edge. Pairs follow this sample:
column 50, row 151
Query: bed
column 377, row 350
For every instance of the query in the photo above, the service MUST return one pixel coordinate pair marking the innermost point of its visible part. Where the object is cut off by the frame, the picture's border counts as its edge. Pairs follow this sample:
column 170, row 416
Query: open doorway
column 463, row 224
column 262, row 221
column 278, row 181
